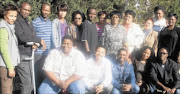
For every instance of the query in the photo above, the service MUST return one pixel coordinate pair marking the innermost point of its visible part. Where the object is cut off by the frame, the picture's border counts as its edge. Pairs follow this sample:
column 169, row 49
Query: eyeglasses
column 77, row 18
column 163, row 53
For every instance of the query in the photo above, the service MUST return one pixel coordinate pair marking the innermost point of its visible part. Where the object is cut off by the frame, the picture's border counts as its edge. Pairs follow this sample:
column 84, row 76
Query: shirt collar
column 71, row 54
column 42, row 19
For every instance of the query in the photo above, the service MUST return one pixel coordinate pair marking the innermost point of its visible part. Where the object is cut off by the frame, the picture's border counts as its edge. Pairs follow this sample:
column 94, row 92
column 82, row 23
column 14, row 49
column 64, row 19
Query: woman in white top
column 159, row 20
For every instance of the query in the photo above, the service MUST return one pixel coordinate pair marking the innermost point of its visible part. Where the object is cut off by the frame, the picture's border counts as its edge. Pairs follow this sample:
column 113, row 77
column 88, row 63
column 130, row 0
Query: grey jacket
column 12, row 44
column 56, row 33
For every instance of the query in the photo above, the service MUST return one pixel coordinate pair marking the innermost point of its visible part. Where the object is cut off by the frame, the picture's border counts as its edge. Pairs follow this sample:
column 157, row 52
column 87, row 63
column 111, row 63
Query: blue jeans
column 77, row 87
column 135, row 89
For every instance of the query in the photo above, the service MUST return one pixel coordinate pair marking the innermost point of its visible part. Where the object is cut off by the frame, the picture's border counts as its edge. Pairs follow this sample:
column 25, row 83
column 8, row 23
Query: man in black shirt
column 25, row 33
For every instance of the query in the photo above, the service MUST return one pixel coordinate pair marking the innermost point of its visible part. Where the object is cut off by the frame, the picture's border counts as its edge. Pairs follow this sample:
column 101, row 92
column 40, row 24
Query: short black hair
column 45, row 4
column 130, row 12
column 67, row 37
column 167, row 49
column 78, row 12
column 115, row 12
column 99, row 45
column 88, row 10
column 6, row 8
column 101, row 13
column 62, row 7
column 159, row 8
column 121, row 49
column 171, row 14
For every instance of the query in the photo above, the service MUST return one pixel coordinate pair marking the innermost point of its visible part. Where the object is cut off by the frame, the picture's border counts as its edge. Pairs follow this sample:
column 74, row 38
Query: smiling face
column 163, row 54
column 172, row 21
column 78, row 20
column 66, row 46
column 148, row 25
column 25, row 10
column 146, row 54
column 159, row 14
column 122, row 56
column 102, row 18
column 92, row 14
column 100, row 53
column 46, row 10
column 128, row 19
column 10, row 16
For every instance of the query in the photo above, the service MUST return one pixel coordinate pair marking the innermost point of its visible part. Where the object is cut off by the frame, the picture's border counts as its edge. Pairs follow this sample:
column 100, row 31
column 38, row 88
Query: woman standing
column 169, row 37
column 114, row 35
column 135, row 35
column 9, row 53
column 76, row 28
column 59, row 25
column 150, row 36
column 159, row 20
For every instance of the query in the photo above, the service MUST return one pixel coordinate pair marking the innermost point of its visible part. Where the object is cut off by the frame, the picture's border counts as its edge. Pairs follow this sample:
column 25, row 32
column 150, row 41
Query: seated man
column 123, row 75
column 64, row 69
column 164, row 74
column 99, row 75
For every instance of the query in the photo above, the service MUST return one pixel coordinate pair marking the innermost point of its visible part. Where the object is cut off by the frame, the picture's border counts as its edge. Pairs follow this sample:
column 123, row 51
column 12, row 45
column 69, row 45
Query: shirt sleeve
column 108, row 74
column 25, row 36
column 4, row 48
column 139, row 37
column 55, row 33
column 85, row 31
column 80, row 65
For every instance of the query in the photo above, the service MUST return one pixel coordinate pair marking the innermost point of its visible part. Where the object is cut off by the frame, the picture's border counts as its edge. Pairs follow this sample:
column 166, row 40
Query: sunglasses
column 162, row 53
column 77, row 18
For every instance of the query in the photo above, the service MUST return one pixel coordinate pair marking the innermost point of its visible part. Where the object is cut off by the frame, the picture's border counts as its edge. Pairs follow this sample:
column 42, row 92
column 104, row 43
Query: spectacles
column 163, row 53
column 77, row 18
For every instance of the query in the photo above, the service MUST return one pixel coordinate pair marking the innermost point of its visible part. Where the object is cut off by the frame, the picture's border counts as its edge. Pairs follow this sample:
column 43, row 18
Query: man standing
column 164, row 74
column 90, row 35
column 64, row 68
column 123, row 75
column 25, row 33
column 43, row 28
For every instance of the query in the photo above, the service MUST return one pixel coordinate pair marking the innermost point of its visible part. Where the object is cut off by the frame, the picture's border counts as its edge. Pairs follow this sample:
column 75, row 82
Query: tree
column 143, row 8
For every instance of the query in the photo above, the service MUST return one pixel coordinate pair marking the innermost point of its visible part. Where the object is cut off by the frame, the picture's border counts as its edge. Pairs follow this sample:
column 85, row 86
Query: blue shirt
column 43, row 30
column 122, row 74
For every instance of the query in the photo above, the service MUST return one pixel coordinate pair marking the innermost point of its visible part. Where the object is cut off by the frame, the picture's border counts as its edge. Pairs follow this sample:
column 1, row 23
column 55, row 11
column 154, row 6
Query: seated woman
column 99, row 76
column 141, row 68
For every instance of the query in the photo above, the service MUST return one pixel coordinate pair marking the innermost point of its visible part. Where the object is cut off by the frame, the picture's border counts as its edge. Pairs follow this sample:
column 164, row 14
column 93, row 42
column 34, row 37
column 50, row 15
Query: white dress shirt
column 65, row 66
column 98, row 74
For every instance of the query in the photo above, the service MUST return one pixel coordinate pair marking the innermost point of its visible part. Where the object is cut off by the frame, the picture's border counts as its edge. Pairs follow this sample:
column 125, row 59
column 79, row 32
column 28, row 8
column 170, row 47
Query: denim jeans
column 77, row 87
column 135, row 89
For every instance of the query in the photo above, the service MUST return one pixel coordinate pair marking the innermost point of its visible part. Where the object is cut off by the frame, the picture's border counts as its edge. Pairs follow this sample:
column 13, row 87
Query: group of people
column 108, row 56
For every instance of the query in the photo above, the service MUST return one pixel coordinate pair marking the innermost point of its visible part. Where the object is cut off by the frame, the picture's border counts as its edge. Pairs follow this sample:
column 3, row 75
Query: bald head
column 45, row 10
column 25, row 9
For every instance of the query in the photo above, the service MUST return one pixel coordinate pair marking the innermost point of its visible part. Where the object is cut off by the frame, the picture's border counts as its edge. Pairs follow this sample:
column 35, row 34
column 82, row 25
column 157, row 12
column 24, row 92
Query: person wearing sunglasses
column 76, row 28
column 164, row 75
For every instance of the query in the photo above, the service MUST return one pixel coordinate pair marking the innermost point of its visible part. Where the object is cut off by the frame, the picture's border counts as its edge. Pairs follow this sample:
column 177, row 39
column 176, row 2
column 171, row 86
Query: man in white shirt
column 64, row 69
column 98, row 74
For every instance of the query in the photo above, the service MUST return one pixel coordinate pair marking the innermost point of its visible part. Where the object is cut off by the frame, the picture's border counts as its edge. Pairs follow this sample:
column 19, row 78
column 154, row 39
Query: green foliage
column 143, row 8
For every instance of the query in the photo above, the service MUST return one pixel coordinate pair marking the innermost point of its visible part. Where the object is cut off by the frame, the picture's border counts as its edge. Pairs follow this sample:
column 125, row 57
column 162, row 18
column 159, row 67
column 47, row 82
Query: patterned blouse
column 113, row 39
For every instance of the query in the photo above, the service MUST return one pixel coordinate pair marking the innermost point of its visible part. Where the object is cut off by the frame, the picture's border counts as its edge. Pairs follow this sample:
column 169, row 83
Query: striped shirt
column 99, row 30
column 43, row 30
